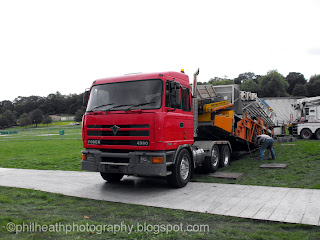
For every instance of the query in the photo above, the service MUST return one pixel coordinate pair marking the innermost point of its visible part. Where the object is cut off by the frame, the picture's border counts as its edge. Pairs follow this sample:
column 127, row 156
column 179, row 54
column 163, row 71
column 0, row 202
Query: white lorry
column 308, row 123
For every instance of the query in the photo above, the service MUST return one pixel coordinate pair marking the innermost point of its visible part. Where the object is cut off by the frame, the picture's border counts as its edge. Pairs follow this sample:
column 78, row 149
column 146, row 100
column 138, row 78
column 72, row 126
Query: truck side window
column 185, row 99
column 171, row 97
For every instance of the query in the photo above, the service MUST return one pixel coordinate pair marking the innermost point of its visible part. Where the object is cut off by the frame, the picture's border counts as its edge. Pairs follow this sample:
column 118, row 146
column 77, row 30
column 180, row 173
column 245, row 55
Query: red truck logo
column 115, row 129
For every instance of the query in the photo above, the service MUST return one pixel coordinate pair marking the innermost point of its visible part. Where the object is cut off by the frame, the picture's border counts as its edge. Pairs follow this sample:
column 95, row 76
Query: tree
column 313, row 86
column 3, row 122
column 36, row 116
column 27, row 104
column 244, row 77
column 202, row 83
column 272, row 85
column 24, row 120
column 294, row 78
column 47, row 120
column 56, row 103
column 250, row 86
column 8, row 114
column 78, row 116
column 221, row 82
column 6, row 105
column 299, row 90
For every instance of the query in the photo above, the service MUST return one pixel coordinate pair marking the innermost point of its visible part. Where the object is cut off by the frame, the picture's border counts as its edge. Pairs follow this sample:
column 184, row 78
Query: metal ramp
column 259, row 109
column 206, row 91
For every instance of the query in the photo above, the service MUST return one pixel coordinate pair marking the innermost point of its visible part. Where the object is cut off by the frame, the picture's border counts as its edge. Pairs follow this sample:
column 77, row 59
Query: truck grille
column 121, row 126
column 112, row 135
column 119, row 133
column 118, row 130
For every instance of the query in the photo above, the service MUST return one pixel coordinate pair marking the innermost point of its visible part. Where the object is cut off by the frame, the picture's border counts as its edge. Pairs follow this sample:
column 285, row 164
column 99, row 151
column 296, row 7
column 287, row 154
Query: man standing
column 265, row 142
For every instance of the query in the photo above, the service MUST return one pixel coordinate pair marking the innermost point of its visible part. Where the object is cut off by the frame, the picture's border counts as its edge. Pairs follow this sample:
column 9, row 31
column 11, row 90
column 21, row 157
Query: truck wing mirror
column 177, row 98
column 85, row 97
column 174, row 95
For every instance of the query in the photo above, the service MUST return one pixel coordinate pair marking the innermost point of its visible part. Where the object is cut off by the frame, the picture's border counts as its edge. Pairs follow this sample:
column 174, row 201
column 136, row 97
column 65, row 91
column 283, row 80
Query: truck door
column 174, row 122
column 312, row 114
column 187, row 113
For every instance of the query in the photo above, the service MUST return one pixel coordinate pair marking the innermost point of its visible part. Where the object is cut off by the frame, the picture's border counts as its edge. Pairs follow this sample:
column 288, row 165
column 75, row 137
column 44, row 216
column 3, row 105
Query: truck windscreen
column 142, row 94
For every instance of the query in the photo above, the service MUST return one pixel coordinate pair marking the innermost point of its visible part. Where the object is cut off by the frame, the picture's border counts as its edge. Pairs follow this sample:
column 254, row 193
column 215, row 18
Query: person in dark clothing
column 265, row 142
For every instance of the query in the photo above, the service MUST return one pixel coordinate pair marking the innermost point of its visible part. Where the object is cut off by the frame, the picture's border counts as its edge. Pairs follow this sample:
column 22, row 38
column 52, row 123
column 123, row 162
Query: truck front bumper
column 132, row 163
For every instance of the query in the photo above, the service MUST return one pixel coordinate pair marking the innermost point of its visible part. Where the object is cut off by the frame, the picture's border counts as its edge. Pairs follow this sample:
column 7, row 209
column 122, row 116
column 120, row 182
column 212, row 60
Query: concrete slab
column 284, row 207
column 226, row 175
column 273, row 165
column 266, row 203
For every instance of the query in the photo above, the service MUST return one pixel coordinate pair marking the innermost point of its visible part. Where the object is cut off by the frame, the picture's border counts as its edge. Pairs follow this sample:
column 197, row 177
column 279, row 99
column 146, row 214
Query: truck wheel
column 318, row 134
column 306, row 134
column 225, row 156
column 181, row 170
column 111, row 177
column 211, row 164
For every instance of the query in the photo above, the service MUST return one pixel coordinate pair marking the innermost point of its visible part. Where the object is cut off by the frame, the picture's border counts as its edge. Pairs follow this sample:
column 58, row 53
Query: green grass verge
column 302, row 171
column 46, row 154
column 25, row 208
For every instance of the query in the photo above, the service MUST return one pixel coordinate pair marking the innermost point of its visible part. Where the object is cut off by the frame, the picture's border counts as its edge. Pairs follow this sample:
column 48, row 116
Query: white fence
column 43, row 133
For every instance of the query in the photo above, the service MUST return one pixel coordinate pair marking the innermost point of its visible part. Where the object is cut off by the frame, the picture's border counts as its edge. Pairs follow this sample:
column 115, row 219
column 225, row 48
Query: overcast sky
column 49, row 46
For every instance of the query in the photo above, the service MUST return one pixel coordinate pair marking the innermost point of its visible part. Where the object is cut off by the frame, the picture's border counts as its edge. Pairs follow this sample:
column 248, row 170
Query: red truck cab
column 139, row 124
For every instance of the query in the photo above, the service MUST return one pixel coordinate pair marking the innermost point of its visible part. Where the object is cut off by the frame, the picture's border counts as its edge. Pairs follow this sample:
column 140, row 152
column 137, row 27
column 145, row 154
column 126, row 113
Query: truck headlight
column 145, row 159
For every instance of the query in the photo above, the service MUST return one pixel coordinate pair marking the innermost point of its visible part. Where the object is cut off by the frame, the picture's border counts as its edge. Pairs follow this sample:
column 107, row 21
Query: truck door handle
column 181, row 125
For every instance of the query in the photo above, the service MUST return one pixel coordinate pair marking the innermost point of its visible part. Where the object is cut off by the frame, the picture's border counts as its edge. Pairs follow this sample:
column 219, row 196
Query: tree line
column 35, row 109
column 274, row 84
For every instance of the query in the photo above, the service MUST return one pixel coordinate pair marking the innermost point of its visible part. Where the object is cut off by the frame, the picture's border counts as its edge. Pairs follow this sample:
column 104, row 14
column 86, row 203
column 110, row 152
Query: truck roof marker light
column 182, row 71
column 157, row 160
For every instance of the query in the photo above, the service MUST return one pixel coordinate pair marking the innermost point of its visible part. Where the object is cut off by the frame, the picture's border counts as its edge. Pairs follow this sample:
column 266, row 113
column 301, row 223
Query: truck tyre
column 318, row 134
column 181, row 170
column 225, row 156
column 211, row 164
column 111, row 177
column 306, row 134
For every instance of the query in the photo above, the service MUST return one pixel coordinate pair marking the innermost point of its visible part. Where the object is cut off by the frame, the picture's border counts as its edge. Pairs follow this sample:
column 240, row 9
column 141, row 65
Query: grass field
column 302, row 171
column 54, row 154
column 303, row 159
column 25, row 208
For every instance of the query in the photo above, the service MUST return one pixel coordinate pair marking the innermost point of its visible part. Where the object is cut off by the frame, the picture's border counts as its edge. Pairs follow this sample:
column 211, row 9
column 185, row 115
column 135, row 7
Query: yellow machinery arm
column 212, row 107
column 217, row 112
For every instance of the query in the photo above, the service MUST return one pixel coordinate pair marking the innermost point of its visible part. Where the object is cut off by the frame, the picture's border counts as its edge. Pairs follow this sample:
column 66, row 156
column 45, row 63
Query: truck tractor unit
column 308, row 122
column 158, row 125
